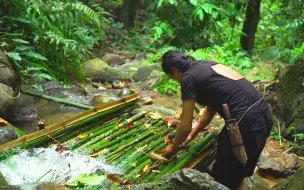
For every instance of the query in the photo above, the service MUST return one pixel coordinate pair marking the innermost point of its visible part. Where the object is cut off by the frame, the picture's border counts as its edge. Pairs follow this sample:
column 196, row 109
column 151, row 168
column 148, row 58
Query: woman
column 212, row 84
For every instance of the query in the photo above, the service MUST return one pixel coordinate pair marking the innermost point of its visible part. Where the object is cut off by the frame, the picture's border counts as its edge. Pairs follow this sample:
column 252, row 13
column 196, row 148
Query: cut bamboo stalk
column 122, row 137
column 106, row 137
column 192, row 152
column 58, row 100
column 106, row 121
column 127, row 156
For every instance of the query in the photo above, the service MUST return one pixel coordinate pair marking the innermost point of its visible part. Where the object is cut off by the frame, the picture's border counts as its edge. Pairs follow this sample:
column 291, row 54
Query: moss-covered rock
column 292, row 96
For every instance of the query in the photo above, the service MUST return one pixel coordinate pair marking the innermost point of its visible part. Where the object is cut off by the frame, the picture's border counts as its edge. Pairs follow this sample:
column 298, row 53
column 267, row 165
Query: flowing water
column 47, row 165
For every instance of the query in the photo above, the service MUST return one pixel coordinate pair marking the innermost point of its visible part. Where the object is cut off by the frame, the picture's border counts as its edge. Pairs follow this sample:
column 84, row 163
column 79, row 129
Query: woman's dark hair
column 177, row 59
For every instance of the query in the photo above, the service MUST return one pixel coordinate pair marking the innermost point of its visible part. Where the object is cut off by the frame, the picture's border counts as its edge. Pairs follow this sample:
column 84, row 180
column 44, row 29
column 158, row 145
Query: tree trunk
column 128, row 12
column 250, row 24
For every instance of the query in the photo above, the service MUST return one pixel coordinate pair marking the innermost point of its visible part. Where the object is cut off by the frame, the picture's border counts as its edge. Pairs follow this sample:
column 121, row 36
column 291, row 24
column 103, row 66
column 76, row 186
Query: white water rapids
column 28, row 166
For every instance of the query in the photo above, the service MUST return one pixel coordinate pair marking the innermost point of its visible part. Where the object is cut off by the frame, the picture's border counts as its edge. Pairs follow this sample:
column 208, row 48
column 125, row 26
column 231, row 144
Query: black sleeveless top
column 201, row 83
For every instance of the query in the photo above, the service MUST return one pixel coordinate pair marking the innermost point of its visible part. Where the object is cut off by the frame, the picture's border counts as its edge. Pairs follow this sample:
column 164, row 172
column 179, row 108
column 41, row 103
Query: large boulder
column 113, row 60
column 98, row 70
column 9, row 85
column 277, row 163
column 145, row 71
column 7, row 134
column 255, row 182
column 295, row 183
column 292, row 97
column 8, row 75
column 184, row 179
column 6, row 92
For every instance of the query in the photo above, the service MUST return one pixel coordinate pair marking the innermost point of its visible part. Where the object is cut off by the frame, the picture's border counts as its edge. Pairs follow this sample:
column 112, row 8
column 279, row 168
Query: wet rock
column 145, row 71
column 277, row 163
column 140, row 56
column 7, row 134
column 255, row 182
column 158, row 109
column 25, row 109
column 124, row 92
column 184, row 179
column 99, row 100
column 113, row 60
column 146, row 101
column 99, row 86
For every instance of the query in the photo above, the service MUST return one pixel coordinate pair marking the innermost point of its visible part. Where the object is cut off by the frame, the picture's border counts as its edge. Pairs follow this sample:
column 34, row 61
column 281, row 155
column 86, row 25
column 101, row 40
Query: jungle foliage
column 51, row 38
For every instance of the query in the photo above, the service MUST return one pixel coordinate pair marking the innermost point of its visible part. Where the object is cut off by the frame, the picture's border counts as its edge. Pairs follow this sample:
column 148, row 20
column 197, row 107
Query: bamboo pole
column 185, row 158
column 58, row 100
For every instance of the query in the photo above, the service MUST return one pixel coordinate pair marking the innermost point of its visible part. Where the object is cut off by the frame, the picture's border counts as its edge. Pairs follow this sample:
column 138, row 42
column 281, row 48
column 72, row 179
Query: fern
column 64, row 32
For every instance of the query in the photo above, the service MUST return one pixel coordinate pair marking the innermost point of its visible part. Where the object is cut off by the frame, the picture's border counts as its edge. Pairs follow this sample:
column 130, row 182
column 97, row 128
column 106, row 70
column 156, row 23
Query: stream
column 45, row 165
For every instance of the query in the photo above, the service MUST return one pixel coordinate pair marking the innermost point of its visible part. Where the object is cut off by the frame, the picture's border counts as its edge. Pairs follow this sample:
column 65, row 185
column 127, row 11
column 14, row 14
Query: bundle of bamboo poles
column 128, row 139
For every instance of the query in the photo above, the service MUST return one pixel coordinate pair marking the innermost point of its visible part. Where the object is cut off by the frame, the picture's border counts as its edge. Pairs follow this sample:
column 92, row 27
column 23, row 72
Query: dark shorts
column 227, row 170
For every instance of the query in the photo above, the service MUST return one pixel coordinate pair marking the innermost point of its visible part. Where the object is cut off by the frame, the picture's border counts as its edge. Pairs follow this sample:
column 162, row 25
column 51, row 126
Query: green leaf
column 23, row 48
column 73, row 181
column 91, row 179
column 201, row 14
column 219, row 24
column 159, row 4
column 171, row 2
column 34, row 55
column 14, row 55
column 193, row 2
column 20, row 41
column 214, row 14
column 43, row 76
column 85, row 180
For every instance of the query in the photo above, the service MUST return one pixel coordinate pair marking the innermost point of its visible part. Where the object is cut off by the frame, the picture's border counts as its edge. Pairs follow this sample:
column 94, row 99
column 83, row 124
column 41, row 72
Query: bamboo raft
column 122, row 135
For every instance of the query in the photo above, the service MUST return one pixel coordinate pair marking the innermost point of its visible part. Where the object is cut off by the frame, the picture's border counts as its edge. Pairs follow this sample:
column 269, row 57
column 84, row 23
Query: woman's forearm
column 203, row 122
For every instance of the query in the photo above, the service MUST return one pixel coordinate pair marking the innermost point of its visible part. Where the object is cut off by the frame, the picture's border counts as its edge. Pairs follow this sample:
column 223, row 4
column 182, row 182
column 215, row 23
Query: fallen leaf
column 170, row 122
column 114, row 178
column 97, row 153
column 60, row 148
column 146, row 168
column 3, row 122
column 158, row 157
column 81, row 136
column 117, row 123
column 155, row 115
column 130, row 125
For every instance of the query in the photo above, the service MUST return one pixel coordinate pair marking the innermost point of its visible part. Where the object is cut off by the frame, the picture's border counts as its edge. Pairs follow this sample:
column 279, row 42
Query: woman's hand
column 169, row 151
column 189, row 138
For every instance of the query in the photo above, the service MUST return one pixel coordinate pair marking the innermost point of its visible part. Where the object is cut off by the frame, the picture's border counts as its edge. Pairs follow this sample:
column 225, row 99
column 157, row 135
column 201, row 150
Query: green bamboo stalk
column 141, row 129
column 120, row 138
column 95, row 131
column 74, row 126
column 129, row 142
column 192, row 152
column 133, row 140
column 133, row 151
column 112, row 134
column 204, row 164
column 132, row 174
column 58, row 100
column 95, row 126
column 129, row 167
